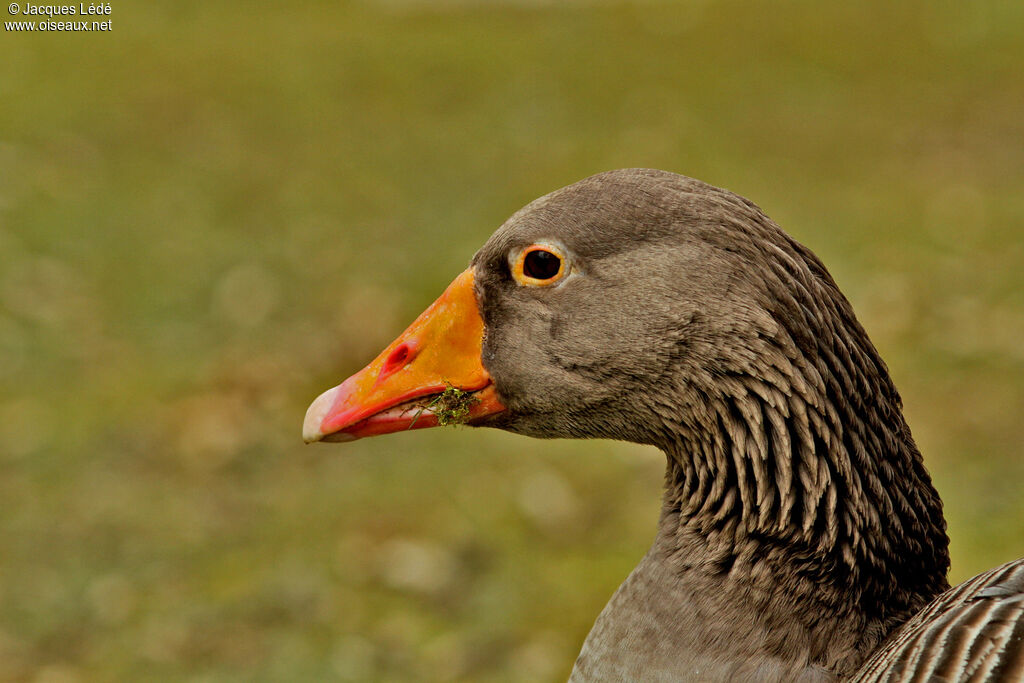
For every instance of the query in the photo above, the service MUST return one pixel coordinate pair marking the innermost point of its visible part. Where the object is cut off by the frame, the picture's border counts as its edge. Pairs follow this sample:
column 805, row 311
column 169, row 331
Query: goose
column 800, row 536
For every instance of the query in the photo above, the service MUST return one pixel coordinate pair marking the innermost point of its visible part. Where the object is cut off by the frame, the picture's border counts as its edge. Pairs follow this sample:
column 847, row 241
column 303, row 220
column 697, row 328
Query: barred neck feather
column 795, row 463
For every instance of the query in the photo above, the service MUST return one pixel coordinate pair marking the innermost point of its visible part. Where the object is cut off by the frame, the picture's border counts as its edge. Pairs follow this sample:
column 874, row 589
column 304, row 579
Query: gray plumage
column 974, row 632
column 799, row 527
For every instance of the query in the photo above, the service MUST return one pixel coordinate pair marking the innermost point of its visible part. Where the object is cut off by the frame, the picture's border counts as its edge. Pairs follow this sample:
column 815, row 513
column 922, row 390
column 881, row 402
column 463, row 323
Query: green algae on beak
column 450, row 407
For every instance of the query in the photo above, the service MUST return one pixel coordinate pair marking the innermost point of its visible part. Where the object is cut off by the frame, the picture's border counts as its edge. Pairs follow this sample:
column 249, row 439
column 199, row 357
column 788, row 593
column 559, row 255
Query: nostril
column 399, row 355
column 397, row 359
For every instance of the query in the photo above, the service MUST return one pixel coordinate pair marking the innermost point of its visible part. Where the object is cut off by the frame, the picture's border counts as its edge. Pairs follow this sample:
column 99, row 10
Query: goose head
column 612, row 308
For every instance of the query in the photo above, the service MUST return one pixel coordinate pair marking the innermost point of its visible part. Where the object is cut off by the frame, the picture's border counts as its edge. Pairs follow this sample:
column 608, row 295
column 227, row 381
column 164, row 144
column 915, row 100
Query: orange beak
column 399, row 389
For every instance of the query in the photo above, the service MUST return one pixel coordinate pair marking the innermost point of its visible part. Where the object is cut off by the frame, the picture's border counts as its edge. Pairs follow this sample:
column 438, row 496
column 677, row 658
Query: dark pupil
column 541, row 265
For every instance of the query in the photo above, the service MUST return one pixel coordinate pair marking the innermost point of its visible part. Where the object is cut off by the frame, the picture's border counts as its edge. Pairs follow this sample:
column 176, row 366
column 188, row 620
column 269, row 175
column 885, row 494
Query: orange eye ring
column 539, row 265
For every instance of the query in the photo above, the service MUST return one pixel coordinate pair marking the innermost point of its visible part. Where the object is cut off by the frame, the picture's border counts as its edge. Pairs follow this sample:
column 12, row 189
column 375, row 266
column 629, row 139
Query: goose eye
column 539, row 265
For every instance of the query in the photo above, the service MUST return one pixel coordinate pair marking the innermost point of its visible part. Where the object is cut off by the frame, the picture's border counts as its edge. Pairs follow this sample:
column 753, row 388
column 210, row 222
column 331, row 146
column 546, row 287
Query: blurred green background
column 217, row 210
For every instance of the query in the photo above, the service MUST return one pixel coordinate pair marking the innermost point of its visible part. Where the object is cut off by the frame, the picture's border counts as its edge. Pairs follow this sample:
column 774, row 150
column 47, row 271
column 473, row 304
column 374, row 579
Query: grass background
column 216, row 210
